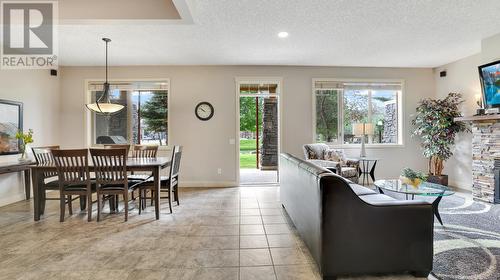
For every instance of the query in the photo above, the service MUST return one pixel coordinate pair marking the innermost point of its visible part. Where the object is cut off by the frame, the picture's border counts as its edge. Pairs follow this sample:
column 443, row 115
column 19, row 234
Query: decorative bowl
column 412, row 182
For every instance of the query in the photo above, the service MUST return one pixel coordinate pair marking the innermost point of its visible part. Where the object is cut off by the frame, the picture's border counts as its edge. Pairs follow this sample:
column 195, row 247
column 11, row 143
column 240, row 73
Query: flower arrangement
column 411, row 177
column 435, row 125
column 26, row 138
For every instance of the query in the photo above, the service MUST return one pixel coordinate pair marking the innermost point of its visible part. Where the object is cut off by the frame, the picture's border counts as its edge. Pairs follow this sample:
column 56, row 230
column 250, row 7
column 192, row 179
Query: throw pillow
column 335, row 155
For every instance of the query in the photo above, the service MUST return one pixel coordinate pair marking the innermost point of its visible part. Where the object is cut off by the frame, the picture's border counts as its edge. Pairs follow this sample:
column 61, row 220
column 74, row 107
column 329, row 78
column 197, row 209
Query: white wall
column 463, row 76
column 206, row 144
column 40, row 94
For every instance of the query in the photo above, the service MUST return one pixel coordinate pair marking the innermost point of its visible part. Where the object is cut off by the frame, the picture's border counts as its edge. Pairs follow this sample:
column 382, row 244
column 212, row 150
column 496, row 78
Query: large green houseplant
column 434, row 124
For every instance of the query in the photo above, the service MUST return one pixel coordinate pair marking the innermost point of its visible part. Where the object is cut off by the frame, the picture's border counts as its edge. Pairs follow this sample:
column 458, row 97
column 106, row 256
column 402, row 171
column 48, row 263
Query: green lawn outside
column 248, row 160
column 247, row 144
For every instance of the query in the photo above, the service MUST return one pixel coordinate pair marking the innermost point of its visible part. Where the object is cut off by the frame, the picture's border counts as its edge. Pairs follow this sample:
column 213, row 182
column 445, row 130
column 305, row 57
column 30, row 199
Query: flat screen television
column 489, row 75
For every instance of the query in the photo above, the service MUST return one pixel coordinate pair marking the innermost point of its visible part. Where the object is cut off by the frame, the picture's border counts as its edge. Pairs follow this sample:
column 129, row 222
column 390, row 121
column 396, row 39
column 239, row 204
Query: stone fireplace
column 485, row 157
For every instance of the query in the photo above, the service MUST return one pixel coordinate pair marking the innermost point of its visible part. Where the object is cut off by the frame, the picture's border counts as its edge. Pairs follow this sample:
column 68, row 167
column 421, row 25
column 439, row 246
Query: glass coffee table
column 424, row 189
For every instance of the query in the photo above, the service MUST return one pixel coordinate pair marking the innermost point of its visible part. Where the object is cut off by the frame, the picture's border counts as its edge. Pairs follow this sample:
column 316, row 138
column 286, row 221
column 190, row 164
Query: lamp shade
column 105, row 108
column 369, row 129
column 360, row 129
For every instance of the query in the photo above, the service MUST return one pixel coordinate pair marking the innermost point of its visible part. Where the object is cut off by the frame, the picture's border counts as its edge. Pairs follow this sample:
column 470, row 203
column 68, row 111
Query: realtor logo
column 28, row 34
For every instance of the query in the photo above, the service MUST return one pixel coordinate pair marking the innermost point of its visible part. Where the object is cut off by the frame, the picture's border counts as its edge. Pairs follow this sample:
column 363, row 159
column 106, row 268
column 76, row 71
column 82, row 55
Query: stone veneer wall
column 485, row 149
column 390, row 134
column 269, row 150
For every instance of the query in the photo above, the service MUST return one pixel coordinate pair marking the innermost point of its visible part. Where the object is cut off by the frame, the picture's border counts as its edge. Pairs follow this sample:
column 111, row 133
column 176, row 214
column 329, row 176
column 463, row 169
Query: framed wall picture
column 11, row 121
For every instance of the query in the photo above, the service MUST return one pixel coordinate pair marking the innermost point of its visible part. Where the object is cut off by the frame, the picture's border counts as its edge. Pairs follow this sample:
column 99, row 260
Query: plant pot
column 442, row 179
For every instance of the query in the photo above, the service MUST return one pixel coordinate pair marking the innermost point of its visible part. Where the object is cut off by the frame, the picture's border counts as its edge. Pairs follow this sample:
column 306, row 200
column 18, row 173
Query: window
column 341, row 105
column 144, row 120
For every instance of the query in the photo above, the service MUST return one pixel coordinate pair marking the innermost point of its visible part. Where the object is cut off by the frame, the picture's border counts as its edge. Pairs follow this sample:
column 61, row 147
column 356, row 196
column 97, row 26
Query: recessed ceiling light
column 283, row 34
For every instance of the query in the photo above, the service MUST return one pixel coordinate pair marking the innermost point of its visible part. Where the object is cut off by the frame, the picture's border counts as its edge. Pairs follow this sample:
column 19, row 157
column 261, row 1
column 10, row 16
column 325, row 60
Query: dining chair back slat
column 110, row 166
column 176, row 161
column 74, row 178
column 145, row 151
column 72, row 166
column 118, row 146
column 43, row 155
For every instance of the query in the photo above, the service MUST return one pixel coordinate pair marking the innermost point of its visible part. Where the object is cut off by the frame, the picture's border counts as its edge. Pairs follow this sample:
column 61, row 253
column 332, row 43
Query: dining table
column 153, row 165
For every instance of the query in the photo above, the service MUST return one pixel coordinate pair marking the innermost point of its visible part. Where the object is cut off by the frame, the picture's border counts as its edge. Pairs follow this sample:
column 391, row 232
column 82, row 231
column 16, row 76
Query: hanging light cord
column 106, row 84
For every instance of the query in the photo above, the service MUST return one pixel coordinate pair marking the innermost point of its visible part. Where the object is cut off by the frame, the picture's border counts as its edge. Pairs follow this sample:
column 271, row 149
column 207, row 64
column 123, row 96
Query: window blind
column 129, row 86
column 339, row 85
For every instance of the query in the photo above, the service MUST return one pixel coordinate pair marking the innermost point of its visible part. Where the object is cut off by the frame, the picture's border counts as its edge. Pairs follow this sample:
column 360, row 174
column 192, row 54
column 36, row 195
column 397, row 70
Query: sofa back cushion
column 315, row 151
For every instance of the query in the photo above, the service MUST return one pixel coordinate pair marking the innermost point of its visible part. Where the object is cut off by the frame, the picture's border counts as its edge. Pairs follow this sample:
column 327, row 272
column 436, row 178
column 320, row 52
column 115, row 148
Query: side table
column 367, row 168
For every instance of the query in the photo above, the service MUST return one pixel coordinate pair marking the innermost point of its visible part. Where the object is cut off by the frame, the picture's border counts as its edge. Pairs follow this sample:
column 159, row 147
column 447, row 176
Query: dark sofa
column 350, row 229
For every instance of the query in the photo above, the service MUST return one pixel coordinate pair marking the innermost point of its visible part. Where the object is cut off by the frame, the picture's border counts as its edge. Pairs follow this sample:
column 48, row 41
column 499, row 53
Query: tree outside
column 248, row 129
column 154, row 114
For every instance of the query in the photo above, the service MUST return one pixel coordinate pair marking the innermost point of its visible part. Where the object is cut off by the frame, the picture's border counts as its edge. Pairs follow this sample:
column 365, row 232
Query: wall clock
column 204, row 111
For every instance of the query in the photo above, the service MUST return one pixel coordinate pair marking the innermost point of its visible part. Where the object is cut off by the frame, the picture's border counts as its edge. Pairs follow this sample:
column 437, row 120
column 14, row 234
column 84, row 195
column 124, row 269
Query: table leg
column 435, row 208
column 372, row 171
column 156, row 174
column 36, row 194
column 27, row 183
column 380, row 190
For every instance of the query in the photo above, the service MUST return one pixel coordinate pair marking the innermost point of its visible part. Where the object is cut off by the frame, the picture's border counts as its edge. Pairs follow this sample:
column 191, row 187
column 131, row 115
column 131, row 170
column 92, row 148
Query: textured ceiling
column 385, row 33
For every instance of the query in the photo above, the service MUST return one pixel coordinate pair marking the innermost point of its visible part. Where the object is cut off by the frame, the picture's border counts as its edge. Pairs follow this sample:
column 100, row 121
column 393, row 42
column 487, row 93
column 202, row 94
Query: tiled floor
column 230, row 233
column 257, row 176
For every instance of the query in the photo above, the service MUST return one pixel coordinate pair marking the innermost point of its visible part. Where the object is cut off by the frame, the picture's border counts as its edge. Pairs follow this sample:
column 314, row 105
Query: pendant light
column 103, row 105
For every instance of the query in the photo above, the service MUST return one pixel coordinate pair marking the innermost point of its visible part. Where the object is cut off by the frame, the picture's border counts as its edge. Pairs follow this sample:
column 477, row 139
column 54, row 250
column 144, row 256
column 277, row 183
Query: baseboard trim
column 207, row 184
column 12, row 199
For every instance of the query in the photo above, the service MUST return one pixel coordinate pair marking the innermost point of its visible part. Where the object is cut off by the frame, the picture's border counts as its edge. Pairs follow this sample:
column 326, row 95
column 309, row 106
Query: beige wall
column 463, row 76
column 206, row 144
column 40, row 94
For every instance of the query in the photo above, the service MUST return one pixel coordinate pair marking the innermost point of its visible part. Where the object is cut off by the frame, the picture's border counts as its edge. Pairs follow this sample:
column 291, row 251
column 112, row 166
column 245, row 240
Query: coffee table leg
column 435, row 208
column 380, row 190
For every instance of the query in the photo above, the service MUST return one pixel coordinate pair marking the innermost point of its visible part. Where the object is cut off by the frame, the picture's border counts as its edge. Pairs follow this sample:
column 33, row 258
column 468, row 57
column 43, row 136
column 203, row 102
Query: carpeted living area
column 467, row 246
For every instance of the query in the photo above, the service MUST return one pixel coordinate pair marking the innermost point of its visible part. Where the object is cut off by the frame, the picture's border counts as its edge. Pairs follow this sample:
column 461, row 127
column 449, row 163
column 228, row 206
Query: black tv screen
column 490, row 83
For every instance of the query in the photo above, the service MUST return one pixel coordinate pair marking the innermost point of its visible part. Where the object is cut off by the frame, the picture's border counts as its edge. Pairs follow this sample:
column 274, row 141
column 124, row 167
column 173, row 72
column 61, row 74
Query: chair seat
column 51, row 185
column 164, row 180
column 132, row 184
column 79, row 187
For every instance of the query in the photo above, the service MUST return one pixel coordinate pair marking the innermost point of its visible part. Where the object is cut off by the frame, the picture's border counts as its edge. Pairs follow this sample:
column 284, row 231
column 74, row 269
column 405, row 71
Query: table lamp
column 361, row 130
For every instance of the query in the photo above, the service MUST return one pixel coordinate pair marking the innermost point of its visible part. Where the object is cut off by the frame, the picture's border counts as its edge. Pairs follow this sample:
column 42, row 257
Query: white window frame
column 340, row 99
column 88, row 127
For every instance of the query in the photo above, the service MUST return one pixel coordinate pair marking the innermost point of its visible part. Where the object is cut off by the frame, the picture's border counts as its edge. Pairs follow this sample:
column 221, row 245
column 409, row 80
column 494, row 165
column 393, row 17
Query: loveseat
column 350, row 229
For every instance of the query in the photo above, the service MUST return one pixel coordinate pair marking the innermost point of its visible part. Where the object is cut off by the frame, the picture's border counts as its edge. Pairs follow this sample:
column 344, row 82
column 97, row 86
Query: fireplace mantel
column 492, row 117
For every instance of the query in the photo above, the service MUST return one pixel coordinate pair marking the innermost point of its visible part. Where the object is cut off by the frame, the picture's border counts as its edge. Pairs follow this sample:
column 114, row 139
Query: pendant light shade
column 103, row 105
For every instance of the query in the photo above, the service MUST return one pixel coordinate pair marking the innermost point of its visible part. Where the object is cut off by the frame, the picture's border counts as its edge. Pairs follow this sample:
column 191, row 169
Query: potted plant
column 411, row 177
column 434, row 124
column 26, row 138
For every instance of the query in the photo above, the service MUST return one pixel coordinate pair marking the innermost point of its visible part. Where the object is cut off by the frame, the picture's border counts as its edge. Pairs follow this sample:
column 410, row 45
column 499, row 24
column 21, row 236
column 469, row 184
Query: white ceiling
column 385, row 33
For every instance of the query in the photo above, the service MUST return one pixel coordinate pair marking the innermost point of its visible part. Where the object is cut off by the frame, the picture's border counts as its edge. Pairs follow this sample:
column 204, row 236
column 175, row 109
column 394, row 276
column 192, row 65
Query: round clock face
column 204, row 111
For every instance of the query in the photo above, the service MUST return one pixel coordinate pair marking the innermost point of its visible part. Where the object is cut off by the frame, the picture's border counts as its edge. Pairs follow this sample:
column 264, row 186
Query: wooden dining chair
column 49, row 182
column 145, row 151
column 74, row 179
column 110, row 167
column 168, row 184
column 118, row 146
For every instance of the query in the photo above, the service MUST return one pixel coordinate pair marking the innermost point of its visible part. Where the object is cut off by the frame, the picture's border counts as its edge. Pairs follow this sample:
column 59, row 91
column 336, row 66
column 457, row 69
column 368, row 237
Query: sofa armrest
column 352, row 162
column 401, row 231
